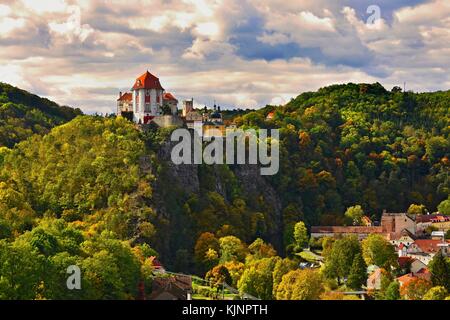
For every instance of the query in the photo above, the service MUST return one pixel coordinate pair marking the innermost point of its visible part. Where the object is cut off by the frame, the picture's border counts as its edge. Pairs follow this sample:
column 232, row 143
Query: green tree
column 439, row 267
column 259, row 249
column 257, row 278
column 437, row 147
column 393, row 291
column 358, row 273
column 354, row 215
column 205, row 242
column 102, row 277
column 282, row 267
column 231, row 249
column 417, row 209
column 219, row 275
column 300, row 236
column 444, row 207
column 436, row 293
column 21, row 268
column 55, row 283
column 300, row 285
column 340, row 259
column 378, row 251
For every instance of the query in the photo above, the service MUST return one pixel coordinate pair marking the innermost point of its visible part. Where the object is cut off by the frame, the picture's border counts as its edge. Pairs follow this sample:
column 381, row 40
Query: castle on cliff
column 148, row 102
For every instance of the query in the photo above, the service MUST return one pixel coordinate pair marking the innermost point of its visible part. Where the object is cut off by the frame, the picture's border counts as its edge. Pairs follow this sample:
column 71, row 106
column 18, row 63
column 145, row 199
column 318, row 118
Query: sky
column 239, row 53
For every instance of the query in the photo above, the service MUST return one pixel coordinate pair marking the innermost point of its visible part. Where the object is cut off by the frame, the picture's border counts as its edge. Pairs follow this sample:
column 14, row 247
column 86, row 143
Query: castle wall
column 395, row 223
column 168, row 121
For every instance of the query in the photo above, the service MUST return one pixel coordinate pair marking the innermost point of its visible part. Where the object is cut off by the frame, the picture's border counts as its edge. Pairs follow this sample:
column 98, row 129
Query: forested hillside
column 360, row 144
column 104, row 195
column 23, row 114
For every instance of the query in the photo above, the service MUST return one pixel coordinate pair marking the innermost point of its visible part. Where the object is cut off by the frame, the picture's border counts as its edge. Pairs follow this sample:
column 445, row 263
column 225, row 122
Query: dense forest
column 23, row 114
column 359, row 143
column 103, row 194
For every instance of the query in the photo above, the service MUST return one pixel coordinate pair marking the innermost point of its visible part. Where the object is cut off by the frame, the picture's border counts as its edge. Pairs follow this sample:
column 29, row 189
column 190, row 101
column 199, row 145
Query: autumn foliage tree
column 300, row 285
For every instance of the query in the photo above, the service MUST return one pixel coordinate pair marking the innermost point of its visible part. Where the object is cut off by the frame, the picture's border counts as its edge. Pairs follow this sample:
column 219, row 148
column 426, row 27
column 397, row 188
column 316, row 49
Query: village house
column 425, row 249
column 374, row 280
column 404, row 239
column 408, row 265
column 423, row 273
column 177, row 287
column 436, row 221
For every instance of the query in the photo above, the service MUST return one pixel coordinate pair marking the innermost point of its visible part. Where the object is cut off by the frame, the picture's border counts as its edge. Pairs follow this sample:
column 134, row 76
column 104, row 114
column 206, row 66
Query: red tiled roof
column 423, row 273
column 429, row 246
column 169, row 96
column 126, row 97
column 431, row 218
column 147, row 81
column 404, row 261
column 156, row 263
column 349, row 229
column 406, row 278
column 440, row 218
column 270, row 115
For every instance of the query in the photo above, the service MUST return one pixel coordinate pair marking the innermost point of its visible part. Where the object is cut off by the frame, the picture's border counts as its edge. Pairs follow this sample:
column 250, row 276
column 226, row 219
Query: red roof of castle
column 147, row 81
column 169, row 96
column 126, row 97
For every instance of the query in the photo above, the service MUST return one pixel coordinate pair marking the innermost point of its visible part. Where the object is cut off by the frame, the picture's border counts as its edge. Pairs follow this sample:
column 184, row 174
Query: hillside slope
column 121, row 200
column 360, row 144
column 23, row 114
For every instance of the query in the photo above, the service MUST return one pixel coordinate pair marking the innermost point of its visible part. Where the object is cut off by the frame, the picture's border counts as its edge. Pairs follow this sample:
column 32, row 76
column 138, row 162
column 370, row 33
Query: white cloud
column 208, row 29
column 424, row 13
column 7, row 25
column 4, row 10
column 66, row 50
column 72, row 29
column 45, row 6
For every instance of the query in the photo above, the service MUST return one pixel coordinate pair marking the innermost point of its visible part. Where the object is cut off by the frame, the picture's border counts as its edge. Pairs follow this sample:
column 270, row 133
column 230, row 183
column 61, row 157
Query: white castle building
column 147, row 101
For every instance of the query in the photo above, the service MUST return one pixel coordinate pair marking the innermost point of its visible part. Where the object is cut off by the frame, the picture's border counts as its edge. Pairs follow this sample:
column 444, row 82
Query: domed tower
column 148, row 97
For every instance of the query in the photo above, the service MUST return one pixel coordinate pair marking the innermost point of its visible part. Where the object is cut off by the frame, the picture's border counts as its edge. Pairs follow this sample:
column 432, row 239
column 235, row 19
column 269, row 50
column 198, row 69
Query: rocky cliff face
column 255, row 185
column 184, row 181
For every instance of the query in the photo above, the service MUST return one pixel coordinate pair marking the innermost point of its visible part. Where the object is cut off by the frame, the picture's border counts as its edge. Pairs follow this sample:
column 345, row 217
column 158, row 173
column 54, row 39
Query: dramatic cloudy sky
column 244, row 53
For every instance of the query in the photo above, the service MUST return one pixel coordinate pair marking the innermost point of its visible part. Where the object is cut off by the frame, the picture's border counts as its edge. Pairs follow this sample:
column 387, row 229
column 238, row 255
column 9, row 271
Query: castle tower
column 148, row 97
column 188, row 106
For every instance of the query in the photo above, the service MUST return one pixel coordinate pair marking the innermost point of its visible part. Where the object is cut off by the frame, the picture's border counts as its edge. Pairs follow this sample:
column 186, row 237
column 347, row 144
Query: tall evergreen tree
column 393, row 291
column 440, row 271
column 358, row 273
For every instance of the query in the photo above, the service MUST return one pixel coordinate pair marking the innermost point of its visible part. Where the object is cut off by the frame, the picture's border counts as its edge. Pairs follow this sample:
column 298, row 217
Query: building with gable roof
column 146, row 100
